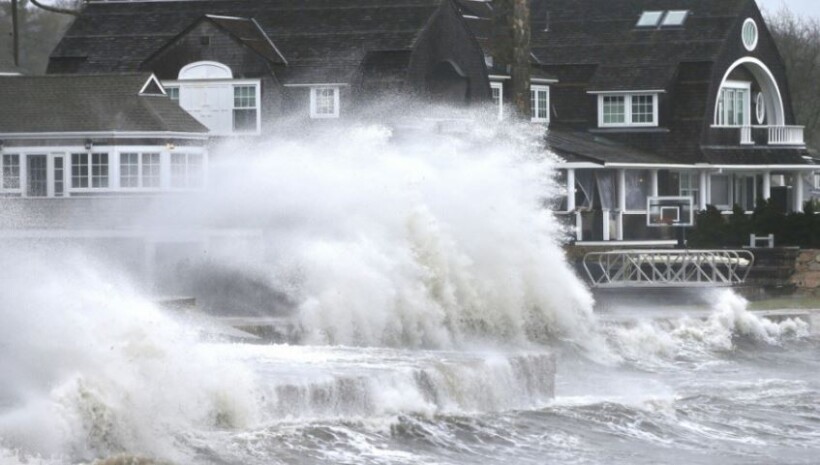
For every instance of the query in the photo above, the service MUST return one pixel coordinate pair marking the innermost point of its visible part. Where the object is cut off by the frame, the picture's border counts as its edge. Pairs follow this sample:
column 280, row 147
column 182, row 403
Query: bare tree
column 56, row 9
column 798, row 40
column 39, row 31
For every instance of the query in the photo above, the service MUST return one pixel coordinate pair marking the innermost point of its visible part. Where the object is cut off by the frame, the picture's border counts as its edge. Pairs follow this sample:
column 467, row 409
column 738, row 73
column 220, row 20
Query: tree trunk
column 511, row 49
column 15, row 31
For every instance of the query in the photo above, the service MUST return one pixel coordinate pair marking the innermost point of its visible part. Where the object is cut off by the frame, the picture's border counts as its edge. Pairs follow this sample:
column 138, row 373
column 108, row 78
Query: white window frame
column 180, row 84
column 544, row 89
column 314, row 114
column 692, row 188
column 187, row 176
column 141, row 165
column 19, row 188
column 747, row 104
column 627, row 96
column 750, row 26
column 256, row 107
column 499, row 86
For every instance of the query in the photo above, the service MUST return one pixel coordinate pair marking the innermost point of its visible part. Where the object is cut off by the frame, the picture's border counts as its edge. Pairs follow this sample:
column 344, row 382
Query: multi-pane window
column 628, row 110
column 11, row 171
column 689, row 186
column 497, row 89
column 539, row 103
column 173, row 93
column 89, row 171
column 99, row 170
column 244, row 109
column 643, row 109
column 79, row 170
column 139, row 170
column 59, row 176
column 749, row 34
column 129, row 170
column 150, row 170
column 614, row 109
column 324, row 102
column 733, row 106
column 187, row 170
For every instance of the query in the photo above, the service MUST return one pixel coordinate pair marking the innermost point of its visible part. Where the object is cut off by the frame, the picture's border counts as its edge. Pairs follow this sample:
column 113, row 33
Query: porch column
column 767, row 185
column 570, row 189
column 703, row 190
column 621, row 204
column 654, row 186
column 798, row 191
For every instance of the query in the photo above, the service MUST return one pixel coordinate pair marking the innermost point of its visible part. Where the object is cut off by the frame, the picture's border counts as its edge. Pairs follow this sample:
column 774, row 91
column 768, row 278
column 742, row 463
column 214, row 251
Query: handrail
column 668, row 268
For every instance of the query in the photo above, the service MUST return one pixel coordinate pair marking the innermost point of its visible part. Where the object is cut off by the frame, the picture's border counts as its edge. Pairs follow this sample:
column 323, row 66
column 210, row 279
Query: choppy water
column 435, row 305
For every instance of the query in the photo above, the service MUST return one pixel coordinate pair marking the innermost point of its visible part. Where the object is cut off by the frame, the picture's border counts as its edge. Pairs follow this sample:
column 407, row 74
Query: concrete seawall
column 806, row 277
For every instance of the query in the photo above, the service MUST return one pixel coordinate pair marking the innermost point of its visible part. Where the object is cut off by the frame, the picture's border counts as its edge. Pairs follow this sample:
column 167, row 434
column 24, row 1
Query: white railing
column 668, row 268
column 786, row 135
column 746, row 135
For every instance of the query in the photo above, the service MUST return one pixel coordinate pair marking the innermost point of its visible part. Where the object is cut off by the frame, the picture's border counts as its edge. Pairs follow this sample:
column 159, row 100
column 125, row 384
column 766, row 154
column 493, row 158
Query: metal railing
column 668, row 268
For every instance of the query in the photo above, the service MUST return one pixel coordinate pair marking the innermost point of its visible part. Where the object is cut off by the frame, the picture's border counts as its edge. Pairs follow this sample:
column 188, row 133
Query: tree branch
column 54, row 9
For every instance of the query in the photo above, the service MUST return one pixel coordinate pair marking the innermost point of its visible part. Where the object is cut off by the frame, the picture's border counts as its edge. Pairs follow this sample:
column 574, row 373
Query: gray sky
column 798, row 7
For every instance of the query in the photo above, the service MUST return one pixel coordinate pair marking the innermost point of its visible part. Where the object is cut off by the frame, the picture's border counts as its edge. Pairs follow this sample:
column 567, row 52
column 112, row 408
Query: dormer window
column 628, row 110
column 733, row 105
column 324, row 102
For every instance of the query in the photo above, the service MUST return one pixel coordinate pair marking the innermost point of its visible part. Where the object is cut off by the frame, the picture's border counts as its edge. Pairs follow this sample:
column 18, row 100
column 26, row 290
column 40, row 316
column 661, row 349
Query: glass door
column 58, row 183
column 37, row 175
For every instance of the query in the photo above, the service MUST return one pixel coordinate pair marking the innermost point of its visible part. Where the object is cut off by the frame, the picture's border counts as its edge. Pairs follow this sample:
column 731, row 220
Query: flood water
column 438, row 323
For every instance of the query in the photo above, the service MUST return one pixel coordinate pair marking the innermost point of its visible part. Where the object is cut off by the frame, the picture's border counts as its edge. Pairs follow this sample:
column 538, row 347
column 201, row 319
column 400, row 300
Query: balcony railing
column 771, row 135
column 786, row 135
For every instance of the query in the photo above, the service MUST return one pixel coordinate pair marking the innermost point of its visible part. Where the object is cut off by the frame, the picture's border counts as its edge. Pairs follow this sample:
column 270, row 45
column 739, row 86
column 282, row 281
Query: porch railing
column 772, row 135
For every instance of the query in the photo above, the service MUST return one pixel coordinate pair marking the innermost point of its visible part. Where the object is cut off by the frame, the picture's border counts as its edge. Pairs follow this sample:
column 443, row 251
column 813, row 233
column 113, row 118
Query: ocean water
column 438, row 322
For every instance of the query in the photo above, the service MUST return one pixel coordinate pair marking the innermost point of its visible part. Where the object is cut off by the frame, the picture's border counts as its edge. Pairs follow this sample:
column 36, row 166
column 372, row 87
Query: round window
column 760, row 108
column 750, row 34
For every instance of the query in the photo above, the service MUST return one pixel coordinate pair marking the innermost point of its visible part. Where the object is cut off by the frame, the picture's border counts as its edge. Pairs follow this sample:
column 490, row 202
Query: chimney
column 511, row 49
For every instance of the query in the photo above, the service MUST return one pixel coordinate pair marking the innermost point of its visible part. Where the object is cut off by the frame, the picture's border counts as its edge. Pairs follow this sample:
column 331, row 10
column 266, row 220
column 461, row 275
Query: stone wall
column 807, row 272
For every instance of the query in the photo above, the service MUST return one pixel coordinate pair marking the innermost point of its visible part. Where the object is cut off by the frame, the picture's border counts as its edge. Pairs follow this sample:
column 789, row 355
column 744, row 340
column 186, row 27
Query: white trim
column 213, row 64
column 753, row 45
column 336, row 101
column 270, row 42
column 319, row 84
column 779, row 118
column 102, row 134
column 543, row 80
column 609, row 243
column 613, row 92
column 257, row 83
column 499, row 77
column 151, row 79
column 534, row 116
column 628, row 111
column 760, row 108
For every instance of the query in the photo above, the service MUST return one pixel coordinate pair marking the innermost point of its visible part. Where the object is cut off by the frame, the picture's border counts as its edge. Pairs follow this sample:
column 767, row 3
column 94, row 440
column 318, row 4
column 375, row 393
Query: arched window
column 205, row 70
column 760, row 108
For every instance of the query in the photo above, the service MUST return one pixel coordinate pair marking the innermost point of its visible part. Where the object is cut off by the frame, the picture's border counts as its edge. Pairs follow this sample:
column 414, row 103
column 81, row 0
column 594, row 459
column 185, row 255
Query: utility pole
column 15, row 32
column 511, row 49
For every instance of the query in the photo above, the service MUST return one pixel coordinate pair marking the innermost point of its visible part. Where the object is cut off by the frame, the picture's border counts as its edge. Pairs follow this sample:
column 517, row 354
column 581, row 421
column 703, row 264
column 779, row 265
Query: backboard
column 670, row 211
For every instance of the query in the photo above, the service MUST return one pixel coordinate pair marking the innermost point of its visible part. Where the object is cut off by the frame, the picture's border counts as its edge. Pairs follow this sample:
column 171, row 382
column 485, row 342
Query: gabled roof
column 90, row 103
column 245, row 30
column 335, row 34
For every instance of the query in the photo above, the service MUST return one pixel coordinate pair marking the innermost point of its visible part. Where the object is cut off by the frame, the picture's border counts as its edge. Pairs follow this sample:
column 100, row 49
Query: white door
column 210, row 103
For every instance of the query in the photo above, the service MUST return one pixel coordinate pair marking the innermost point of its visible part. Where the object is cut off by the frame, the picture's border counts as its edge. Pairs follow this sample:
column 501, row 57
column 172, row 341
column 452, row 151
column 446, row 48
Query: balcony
column 769, row 135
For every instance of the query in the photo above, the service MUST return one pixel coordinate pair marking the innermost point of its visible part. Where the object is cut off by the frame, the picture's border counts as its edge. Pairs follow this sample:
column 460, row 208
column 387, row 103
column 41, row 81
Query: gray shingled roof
column 119, row 36
column 604, row 33
column 82, row 103
column 575, row 146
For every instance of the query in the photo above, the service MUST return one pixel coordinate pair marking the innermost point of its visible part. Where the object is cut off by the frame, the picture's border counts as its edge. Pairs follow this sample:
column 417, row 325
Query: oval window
column 749, row 34
column 760, row 108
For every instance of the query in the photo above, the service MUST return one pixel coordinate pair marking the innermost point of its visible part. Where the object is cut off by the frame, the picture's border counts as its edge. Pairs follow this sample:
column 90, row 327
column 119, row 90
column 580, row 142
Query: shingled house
column 88, row 135
column 662, row 97
column 238, row 65
column 643, row 97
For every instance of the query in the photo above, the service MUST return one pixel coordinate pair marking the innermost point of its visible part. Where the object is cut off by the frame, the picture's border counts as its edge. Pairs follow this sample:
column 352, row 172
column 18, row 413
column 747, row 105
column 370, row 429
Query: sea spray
column 91, row 369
